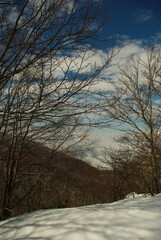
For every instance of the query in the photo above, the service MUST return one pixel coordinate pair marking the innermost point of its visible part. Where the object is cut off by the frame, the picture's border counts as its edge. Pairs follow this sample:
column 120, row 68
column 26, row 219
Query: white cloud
column 142, row 15
column 157, row 102
column 130, row 49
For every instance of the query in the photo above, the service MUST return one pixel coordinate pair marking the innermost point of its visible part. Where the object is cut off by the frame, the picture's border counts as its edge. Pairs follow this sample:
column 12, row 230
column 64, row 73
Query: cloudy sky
column 137, row 24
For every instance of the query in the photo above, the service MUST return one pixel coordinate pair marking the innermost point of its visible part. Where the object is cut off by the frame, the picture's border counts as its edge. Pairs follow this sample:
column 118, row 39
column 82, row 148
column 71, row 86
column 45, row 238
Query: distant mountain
column 46, row 179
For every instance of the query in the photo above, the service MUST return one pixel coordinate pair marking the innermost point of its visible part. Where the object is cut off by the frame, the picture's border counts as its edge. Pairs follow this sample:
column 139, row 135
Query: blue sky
column 138, row 19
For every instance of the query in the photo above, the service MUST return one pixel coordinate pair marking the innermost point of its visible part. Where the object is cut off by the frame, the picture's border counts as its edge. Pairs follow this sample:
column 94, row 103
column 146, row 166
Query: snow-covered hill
column 136, row 218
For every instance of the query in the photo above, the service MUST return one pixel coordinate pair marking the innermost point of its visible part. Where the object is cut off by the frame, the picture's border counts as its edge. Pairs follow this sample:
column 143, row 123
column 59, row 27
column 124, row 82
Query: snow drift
column 135, row 218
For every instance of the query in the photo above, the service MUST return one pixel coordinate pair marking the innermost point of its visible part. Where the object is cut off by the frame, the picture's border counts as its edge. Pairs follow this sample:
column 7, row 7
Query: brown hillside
column 52, row 180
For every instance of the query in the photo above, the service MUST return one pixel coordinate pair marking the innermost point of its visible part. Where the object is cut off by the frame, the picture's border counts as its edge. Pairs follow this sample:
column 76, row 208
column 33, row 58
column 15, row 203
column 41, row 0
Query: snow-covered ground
column 134, row 218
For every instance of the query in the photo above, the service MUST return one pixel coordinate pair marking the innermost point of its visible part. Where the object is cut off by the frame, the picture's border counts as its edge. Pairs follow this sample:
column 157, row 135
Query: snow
column 135, row 195
column 133, row 218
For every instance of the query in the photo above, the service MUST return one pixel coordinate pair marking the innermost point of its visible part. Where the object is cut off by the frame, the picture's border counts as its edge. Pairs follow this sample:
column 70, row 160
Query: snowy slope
column 138, row 218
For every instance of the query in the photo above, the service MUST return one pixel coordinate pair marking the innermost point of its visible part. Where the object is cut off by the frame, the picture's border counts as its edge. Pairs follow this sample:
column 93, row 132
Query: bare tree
column 135, row 103
column 47, row 70
column 118, row 161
